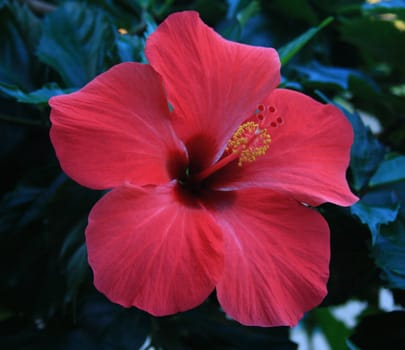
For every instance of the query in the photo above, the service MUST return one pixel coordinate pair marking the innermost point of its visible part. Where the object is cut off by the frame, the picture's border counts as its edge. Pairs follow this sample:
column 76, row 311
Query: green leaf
column 288, row 51
column 389, row 253
column 377, row 40
column 19, row 34
column 12, row 204
column 389, row 171
column 113, row 326
column 334, row 330
column 40, row 96
column 296, row 10
column 76, row 271
column 318, row 73
column 38, row 206
column 366, row 153
column 244, row 15
column 75, row 42
column 239, row 14
column 130, row 48
column 374, row 216
column 73, row 238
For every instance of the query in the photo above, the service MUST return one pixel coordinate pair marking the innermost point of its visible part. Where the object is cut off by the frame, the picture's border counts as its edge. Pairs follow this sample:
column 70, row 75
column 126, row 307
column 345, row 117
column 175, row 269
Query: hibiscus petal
column 308, row 155
column 154, row 249
column 213, row 84
column 276, row 258
column 116, row 129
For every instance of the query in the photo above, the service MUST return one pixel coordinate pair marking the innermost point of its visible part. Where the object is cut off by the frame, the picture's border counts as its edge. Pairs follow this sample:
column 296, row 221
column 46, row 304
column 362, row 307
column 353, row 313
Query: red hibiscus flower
column 214, row 174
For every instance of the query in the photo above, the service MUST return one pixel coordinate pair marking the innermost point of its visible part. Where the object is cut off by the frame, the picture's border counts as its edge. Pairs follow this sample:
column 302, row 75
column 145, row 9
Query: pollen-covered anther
column 249, row 141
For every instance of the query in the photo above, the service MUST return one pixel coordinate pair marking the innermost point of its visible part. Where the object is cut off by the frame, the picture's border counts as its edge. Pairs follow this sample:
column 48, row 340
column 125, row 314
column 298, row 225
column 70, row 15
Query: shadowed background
column 350, row 53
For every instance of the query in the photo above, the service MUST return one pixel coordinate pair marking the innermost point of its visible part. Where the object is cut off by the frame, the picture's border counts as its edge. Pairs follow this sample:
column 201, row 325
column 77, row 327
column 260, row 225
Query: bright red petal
column 213, row 84
column 154, row 249
column 116, row 129
column 276, row 258
column 308, row 155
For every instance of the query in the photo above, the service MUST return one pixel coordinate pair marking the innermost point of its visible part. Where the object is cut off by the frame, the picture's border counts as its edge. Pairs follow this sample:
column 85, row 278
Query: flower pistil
column 249, row 142
column 246, row 144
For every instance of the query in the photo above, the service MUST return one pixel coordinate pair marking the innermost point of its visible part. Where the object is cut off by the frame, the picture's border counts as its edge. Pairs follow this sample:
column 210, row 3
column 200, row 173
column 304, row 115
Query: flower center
column 246, row 144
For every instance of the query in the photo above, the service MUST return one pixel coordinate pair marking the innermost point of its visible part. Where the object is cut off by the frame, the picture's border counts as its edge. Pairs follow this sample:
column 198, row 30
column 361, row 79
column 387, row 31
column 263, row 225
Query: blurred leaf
column 160, row 8
column 398, row 90
column 113, row 326
column 351, row 346
column 374, row 216
column 78, row 339
column 40, row 96
column 390, row 170
column 352, row 270
column 36, row 209
column 318, row 73
column 380, row 331
column 288, row 51
column 128, row 331
column 389, row 254
column 19, row 34
column 11, row 205
column 366, row 153
column 10, row 136
column 239, row 13
column 130, row 48
column 206, row 327
column 5, row 314
column 334, row 330
column 246, row 13
column 31, row 339
column 211, row 11
column 73, row 238
column 236, row 7
column 391, row 6
column 300, row 10
column 377, row 40
column 150, row 28
column 75, row 42
column 24, row 205
column 76, row 271
column 339, row 6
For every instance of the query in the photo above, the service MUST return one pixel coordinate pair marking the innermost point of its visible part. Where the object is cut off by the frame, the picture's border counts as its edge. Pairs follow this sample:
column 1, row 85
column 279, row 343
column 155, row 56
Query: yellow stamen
column 246, row 144
column 249, row 142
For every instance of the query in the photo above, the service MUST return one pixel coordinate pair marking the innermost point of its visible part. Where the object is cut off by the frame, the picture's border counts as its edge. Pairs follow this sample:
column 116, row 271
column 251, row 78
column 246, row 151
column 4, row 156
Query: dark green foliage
column 20, row 31
column 350, row 53
column 40, row 96
column 208, row 329
column 76, row 42
column 380, row 331
column 288, row 51
column 367, row 153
